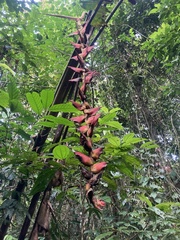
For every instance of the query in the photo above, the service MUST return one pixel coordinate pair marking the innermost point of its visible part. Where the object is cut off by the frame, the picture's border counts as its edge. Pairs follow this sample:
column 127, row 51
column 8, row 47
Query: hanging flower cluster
column 87, row 121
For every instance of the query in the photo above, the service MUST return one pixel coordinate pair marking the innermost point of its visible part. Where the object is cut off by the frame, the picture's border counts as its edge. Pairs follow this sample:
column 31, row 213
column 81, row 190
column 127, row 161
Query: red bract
column 84, row 53
column 86, row 142
column 90, row 131
column 86, row 160
column 82, row 95
column 98, row 167
column 86, row 105
column 83, row 88
column 98, row 203
column 77, row 105
column 90, row 117
column 89, row 75
column 93, row 120
column 78, row 119
column 78, row 70
column 96, row 153
column 80, row 32
column 88, row 49
column 91, row 111
column 86, row 174
column 83, row 29
column 83, row 129
column 77, row 45
column 75, row 79
column 80, row 59
column 88, row 187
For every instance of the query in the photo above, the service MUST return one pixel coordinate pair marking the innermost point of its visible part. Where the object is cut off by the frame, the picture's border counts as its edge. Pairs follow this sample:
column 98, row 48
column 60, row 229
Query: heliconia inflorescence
column 87, row 121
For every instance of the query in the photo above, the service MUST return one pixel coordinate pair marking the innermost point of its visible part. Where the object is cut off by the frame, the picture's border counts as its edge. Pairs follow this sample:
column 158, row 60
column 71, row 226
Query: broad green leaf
column 127, row 170
column 115, row 124
column 23, row 134
column 107, row 118
column 16, row 106
column 154, row 10
column 114, row 141
column 115, row 110
column 130, row 139
column 96, row 138
column 3, row 65
column 46, row 124
column 107, row 199
column 9, row 237
column 145, row 199
column 111, row 183
column 47, row 97
column 12, row 90
column 61, row 152
column 4, row 98
column 60, row 120
column 149, row 145
column 93, row 211
column 34, row 101
column 43, row 180
column 166, row 206
column 132, row 160
column 71, row 139
column 104, row 109
column 103, row 235
column 64, row 107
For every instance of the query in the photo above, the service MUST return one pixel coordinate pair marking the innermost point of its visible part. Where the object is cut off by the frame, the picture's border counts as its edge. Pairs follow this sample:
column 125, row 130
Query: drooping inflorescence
column 92, row 170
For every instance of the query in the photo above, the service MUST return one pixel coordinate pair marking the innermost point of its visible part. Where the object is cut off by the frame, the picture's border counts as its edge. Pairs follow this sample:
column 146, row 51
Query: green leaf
column 145, row 199
column 61, row 152
column 64, row 107
column 149, row 145
column 107, row 118
column 114, row 141
column 46, row 124
column 9, row 237
column 12, row 90
column 104, row 109
column 103, row 235
column 34, row 101
column 115, row 124
column 4, row 98
column 166, row 206
column 130, row 139
column 60, row 120
column 43, row 180
column 156, row 9
column 3, row 65
column 47, row 97
column 124, row 168
column 16, row 106
column 115, row 110
column 111, row 183
column 23, row 134
column 132, row 160
column 71, row 139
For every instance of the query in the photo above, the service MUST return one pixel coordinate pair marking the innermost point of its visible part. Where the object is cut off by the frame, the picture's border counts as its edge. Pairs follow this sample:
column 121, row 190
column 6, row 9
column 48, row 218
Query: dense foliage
column 137, row 57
